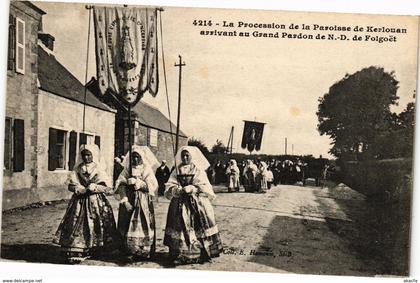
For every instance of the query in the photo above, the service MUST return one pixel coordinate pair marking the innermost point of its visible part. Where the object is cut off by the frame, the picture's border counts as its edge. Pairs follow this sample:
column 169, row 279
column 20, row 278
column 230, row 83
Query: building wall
column 21, row 103
column 165, row 145
column 63, row 114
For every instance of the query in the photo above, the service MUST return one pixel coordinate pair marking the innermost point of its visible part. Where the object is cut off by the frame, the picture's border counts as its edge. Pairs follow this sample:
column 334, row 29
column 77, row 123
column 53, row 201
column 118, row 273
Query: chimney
column 47, row 39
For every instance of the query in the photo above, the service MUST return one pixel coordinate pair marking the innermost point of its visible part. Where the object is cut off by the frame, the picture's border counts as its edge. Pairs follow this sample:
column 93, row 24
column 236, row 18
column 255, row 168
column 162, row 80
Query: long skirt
column 261, row 181
column 233, row 182
column 87, row 226
column 250, row 182
column 137, row 227
column 191, row 232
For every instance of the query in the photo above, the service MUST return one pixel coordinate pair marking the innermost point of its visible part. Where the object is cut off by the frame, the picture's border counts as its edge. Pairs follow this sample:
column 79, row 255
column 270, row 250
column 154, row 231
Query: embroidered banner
column 252, row 135
column 126, row 51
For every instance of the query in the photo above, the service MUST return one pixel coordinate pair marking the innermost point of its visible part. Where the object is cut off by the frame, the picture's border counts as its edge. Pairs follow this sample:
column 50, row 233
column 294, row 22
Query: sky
column 72, row 56
column 229, row 79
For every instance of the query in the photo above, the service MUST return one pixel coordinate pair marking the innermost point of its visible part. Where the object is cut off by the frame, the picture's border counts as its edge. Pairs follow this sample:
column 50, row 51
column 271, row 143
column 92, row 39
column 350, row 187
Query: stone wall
column 165, row 144
column 61, row 113
column 21, row 102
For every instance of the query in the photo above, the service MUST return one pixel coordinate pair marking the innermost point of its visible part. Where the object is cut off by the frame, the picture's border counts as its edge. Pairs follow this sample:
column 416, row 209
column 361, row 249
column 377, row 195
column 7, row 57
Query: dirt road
column 289, row 229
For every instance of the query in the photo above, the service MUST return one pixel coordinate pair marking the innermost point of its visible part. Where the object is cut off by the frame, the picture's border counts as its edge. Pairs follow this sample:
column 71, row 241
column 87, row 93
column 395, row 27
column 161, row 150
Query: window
column 57, row 157
column 60, row 149
column 60, row 145
column 153, row 137
column 86, row 139
column 12, row 43
column 20, row 46
column 98, row 141
column 14, row 145
column 89, row 139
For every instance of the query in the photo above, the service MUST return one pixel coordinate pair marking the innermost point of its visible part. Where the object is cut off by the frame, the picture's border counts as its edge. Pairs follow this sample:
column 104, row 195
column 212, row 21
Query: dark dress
column 191, row 232
column 88, row 223
column 137, row 227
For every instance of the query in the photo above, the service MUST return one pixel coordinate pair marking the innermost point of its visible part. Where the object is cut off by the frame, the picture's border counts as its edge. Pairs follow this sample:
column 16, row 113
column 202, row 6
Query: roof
column 147, row 115
column 34, row 7
column 152, row 117
column 56, row 79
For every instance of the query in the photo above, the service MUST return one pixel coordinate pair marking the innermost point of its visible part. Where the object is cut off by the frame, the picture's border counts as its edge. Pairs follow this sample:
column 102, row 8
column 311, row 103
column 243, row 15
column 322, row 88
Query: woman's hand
column 176, row 191
column 80, row 190
column 131, row 181
column 140, row 185
column 128, row 206
column 91, row 187
column 190, row 189
column 124, row 201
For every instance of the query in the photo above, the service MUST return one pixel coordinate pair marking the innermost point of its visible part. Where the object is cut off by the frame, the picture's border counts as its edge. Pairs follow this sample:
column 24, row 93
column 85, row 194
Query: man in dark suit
column 162, row 176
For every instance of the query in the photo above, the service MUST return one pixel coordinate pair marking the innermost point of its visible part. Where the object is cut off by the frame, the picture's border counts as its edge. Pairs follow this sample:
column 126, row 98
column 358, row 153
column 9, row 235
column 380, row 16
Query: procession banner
column 126, row 51
column 252, row 135
column 338, row 88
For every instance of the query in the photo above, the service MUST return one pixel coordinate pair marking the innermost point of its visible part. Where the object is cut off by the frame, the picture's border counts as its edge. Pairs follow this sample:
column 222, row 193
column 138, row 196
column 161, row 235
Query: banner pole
column 89, row 8
column 129, row 140
column 180, row 65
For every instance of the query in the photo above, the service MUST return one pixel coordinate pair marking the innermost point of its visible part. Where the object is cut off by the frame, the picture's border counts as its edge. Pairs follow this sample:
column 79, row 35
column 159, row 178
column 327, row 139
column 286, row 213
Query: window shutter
column 72, row 149
column 52, row 155
column 18, row 146
column 20, row 46
column 98, row 141
column 11, row 47
column 8, row 144
column 82, row 139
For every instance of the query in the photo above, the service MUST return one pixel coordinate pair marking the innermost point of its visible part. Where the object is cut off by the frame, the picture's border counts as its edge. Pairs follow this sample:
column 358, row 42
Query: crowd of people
column 259, row 176
column 88, row 227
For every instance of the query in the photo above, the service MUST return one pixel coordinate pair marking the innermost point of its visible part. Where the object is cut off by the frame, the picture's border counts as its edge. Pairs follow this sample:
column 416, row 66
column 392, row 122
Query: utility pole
column 230, row 142
column 285, row 146
column 180, row 65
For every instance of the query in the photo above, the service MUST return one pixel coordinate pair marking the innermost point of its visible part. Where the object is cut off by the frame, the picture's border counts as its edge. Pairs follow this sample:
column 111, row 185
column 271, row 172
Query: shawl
column 85, row 174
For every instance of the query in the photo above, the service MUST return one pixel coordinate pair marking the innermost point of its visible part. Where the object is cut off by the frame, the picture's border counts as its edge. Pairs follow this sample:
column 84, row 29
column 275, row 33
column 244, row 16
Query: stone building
column 49, row 114
column 45, row 106
column 150, row 127
column 20, row 140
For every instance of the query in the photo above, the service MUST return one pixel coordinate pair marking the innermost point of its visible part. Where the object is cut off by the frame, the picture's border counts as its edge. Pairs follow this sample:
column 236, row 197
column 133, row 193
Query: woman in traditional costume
column 250, row 174
column 232, row 171
column 270, row 177
column 136, row 217
column 191, row 232
column 262, row 177
column 88, row 225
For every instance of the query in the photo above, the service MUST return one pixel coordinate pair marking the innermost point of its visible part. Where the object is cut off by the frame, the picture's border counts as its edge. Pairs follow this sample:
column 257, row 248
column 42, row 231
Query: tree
column 356, row 110
column 407, row 119
column 398, row 140
column 219, row 147
column 198, row 143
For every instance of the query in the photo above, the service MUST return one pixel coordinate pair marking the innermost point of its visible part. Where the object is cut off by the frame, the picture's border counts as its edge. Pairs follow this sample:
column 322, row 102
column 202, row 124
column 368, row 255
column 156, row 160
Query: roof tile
column 55, row 78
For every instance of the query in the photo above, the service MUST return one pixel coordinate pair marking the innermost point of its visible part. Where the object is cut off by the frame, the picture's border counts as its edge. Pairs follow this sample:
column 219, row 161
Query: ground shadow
column 45, row 253
column 365, row 235
column 308, row 247
column 39, row 253
column 161, row 258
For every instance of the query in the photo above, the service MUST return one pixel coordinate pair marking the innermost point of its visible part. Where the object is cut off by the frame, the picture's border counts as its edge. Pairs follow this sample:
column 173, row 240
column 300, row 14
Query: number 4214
column 204, row 23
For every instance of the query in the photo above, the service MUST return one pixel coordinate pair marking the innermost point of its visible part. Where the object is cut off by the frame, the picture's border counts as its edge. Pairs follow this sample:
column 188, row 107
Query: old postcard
column 209, row 139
